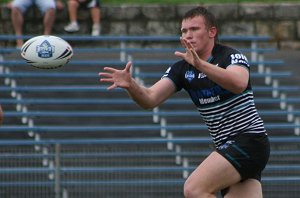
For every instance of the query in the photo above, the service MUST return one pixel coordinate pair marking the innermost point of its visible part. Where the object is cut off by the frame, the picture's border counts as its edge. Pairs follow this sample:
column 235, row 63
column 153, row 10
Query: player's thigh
column 213, row 174
column 45, row 5
column 250, row 188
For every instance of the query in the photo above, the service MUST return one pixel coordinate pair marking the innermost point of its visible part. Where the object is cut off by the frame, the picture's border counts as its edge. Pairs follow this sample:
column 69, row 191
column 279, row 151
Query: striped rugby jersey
column 226, row 114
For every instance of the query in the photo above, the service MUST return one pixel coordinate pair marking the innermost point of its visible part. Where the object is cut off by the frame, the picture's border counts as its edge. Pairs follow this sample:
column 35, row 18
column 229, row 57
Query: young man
column 47, row 8
column 217, row 80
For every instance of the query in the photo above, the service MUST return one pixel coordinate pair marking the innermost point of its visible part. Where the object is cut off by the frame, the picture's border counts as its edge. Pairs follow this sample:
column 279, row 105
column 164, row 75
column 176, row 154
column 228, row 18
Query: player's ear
column 212, row 32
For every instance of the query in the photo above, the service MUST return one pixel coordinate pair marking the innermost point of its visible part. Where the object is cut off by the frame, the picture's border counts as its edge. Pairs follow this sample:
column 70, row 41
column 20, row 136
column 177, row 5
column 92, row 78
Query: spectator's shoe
column 96, row 29
column 72, row 27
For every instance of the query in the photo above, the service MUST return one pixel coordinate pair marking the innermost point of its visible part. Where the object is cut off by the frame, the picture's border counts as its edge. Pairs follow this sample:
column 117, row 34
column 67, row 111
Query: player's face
column 195, row 30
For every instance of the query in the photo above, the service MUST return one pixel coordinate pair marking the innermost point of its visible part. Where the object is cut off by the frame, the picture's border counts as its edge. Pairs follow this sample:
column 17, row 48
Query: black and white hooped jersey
column 226, row 114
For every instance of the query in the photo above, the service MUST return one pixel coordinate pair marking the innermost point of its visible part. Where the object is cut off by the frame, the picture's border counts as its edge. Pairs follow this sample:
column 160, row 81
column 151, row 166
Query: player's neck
column 207, row 53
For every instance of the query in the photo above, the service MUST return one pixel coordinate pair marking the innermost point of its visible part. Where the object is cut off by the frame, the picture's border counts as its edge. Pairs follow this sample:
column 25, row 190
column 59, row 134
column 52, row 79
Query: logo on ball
column 45, row 50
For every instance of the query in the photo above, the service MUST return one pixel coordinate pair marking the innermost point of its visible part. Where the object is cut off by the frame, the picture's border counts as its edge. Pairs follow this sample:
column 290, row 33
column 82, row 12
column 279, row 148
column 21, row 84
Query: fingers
column 128, row 66
column 109, row 69
column 180, row 54
column 194, row 53
column 111, row 87
column 106, row 75
column 186, row 44
column 182, row 43
column 107, row 78
column 115, row 76
column 113, row 70
column 190, row 55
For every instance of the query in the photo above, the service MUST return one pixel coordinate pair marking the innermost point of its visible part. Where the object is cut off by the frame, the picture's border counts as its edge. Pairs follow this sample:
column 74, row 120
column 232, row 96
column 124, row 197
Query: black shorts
column 90, row 3
column 248, row 153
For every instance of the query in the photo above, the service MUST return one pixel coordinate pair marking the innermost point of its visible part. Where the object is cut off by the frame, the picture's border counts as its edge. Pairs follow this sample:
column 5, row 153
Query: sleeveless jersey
column 226, row 114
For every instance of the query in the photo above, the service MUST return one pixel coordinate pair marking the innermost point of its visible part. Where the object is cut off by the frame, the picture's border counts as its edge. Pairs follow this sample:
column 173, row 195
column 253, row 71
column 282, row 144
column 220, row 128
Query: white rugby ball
column 47, row 52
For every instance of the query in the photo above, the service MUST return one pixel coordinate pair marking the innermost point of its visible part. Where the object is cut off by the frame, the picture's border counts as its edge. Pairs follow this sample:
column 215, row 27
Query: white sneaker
column 72, row 27
column 96, row 29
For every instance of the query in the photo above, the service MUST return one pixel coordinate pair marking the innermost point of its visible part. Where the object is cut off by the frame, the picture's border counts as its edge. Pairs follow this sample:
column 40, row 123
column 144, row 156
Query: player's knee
column 188, row 191
column 191, row 190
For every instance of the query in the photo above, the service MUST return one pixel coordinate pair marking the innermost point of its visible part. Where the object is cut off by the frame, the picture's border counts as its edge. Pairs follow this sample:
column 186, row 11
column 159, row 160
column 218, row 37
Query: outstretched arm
column 147, row 98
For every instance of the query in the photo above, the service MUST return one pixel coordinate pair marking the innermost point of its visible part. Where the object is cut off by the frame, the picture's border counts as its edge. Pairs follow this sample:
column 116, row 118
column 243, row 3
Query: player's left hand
column 190, row 55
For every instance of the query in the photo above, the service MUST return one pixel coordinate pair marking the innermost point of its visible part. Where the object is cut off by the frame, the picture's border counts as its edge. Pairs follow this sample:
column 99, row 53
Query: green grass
column 118, row 2
column 192, row 1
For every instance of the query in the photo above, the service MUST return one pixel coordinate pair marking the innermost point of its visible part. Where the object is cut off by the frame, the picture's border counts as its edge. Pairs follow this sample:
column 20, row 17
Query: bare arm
column 234, row 78
column 145, row 97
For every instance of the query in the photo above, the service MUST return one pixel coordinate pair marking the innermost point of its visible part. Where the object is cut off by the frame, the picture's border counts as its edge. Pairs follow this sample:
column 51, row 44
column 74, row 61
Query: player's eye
column 194, row 29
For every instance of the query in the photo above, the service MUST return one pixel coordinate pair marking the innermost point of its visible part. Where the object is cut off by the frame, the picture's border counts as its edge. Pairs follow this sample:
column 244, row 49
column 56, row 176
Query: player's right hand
column 118, row 78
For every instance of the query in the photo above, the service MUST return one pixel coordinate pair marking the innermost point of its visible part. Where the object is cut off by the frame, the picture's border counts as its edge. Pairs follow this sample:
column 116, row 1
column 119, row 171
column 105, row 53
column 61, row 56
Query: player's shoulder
column 180, row 64
column 178, row 67
column 226, row 55
column 225, row 49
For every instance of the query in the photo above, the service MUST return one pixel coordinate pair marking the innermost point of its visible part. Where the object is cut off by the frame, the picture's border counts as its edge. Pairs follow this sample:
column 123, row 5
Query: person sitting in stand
column 19, row 8
column 94, row 6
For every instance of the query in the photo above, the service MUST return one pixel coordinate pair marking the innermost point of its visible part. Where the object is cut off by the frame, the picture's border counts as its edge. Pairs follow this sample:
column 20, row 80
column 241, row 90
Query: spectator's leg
column 17, row 21
column 96, row 19
column 96, row 15
column 72, row 9
column 49, row 19
column 47, row 8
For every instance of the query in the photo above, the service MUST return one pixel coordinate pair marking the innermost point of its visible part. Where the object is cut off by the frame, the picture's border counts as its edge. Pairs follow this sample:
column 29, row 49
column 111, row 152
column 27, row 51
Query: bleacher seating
column 65, row 135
